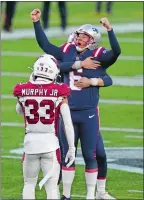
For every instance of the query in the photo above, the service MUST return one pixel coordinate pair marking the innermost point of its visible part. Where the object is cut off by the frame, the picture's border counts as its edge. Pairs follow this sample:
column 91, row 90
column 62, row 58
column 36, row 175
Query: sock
column 91, row 179
column 29, row 191
column 67, row 180
column 101, row 185
column 58, row 192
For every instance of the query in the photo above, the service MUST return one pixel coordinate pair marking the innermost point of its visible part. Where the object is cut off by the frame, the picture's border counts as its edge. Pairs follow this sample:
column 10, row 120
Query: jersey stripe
column 98, row 51
column 66, row 47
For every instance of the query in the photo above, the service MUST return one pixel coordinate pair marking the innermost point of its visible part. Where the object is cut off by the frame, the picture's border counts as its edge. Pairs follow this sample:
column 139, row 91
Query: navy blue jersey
column 85, row 98
column 67, row 54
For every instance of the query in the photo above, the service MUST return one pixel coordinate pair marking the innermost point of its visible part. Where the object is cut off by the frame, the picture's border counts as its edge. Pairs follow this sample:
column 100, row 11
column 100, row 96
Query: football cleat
column 104, row 195
column 65, row 198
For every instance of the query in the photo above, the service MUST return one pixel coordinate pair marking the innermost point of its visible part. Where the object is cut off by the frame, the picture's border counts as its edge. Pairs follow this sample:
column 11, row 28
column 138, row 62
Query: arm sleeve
column 19, row 109
column 107, row 81
column 66, row 67
column 69, row 130
column 108, row 57
column 44, row 43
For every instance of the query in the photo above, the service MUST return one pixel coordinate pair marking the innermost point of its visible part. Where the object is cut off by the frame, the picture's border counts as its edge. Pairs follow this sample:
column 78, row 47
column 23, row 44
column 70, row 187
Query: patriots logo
column 95, row 30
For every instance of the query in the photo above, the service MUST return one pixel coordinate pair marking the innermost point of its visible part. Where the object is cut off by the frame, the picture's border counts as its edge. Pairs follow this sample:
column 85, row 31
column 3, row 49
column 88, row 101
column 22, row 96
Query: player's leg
column 45, row 14
column 102, row 170
column 50, row 163
column 109, row 7
column 67, row 173
column 63, row 14
column 31, row 168
column 88, row 135
column 60, row 175
column 10, row 11
column 98, row 6
column 102, row 164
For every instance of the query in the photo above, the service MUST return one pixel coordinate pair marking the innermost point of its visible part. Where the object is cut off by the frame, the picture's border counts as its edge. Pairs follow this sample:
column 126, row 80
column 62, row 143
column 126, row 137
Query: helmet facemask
column 94, row 37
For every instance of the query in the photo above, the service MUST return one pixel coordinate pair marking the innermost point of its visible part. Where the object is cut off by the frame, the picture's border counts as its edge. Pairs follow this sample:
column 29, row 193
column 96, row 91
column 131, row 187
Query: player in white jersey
column 41, row 100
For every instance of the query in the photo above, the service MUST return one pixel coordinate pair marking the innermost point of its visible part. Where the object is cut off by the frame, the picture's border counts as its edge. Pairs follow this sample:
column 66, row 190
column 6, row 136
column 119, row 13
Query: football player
column 100, row 150
column 41, row 101
column 83, row 102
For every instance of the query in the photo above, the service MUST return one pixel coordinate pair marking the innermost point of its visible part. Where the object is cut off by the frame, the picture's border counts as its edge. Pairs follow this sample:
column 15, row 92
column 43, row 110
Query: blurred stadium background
column 121, row 105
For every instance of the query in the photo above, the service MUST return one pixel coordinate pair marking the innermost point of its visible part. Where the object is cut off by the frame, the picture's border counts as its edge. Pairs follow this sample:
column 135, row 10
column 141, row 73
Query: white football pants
column 31, row 166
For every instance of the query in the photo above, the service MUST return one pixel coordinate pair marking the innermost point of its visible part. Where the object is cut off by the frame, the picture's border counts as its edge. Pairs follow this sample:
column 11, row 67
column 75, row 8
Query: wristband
column 94, row 81
column 77, row 65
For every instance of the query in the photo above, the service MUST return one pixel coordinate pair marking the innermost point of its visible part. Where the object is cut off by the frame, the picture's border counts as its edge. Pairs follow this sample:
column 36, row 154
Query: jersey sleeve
column 44, row 43
column 108, row 57
column 17, row 90
column 64, row 90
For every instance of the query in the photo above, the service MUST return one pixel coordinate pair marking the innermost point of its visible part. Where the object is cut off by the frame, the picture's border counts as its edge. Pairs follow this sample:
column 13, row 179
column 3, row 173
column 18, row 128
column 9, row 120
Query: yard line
column 57, row 32
column 125, row 168
column 134, row 136
column 124, row 102
column 135, row 81
column 15, row 157
column 36, row 54
column 104, row 101
column 132, row 130
column 135, row 191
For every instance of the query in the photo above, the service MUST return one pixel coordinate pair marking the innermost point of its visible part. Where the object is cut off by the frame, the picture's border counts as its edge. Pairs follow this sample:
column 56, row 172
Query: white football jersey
column 41, row 108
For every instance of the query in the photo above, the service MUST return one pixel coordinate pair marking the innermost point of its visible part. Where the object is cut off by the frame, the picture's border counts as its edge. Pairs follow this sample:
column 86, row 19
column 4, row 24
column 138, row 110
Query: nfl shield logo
column 77, row 58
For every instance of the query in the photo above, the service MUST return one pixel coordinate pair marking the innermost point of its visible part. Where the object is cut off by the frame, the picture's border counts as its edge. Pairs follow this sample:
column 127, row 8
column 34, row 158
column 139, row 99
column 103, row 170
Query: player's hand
column 70, row 156
column 35, row 15
column 83, row 83
column 88, row 63
column 105, row 22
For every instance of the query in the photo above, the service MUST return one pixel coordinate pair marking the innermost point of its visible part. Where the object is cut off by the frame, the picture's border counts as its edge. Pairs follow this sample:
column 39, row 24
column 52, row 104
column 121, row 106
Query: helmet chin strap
column 44, row 79
column 80, row 49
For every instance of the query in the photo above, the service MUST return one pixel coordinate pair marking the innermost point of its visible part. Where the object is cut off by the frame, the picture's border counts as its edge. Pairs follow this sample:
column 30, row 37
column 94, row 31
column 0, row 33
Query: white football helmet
column 46, row 66
column 92, row 32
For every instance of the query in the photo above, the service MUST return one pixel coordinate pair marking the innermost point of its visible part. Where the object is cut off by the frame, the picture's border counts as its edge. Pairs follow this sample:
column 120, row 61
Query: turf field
column 121, row 121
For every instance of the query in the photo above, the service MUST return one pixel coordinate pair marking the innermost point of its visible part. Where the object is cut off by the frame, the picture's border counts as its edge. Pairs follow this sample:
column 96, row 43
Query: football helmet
column 92, row 32
column 46, row 66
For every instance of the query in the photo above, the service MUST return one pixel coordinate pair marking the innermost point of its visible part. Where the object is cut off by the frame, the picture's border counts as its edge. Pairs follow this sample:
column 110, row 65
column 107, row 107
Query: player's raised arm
column 41, row 38
column 108, row 57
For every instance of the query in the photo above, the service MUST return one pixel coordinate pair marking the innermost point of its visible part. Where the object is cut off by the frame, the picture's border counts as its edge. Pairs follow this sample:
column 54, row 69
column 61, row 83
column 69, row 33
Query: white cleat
column 102, row 195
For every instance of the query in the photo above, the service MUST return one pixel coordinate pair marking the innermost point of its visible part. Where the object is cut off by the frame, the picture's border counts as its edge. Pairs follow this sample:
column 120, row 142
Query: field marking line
column 135, row 191
column 134, row 81
column 103, row 101
column 134, row 136
column 36, row 54
column 132, row 130
column 57, row 32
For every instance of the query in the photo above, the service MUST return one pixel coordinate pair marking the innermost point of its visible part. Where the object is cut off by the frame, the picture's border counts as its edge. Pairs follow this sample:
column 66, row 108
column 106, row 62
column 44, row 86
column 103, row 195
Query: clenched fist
column 105, row 22
column 35, row 15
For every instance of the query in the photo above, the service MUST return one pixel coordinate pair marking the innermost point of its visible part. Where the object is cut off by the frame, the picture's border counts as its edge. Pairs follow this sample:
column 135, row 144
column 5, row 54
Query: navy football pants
column 86, row 127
